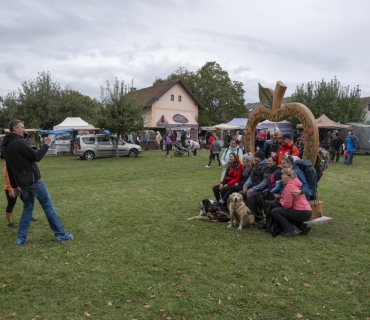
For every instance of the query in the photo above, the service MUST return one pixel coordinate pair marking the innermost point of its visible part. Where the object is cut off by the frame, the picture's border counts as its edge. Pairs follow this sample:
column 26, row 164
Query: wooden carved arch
column 273, row 111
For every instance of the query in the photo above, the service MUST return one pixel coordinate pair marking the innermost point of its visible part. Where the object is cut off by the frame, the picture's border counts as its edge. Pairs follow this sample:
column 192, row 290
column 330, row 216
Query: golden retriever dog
column 239, row 212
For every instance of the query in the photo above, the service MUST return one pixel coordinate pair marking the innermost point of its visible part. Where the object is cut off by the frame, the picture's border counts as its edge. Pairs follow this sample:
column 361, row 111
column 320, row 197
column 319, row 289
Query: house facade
column 167, row 98
column 366, row 103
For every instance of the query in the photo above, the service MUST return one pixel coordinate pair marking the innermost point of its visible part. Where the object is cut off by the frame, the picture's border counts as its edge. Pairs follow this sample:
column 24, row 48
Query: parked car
column 92, row 146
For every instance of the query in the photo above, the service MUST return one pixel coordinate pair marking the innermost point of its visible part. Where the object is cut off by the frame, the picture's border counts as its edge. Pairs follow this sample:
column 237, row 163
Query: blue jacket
column 301, row 177
column 263, row 184
column 351, row 143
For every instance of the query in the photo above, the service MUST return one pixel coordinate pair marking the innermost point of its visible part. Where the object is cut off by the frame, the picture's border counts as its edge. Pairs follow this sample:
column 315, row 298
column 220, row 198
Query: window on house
column 179, row 98
column 172, row 97
column 368, row 107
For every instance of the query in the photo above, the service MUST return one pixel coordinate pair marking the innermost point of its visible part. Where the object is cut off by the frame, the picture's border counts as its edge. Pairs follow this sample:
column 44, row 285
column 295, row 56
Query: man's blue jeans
column 39, row 191
column 147, row 145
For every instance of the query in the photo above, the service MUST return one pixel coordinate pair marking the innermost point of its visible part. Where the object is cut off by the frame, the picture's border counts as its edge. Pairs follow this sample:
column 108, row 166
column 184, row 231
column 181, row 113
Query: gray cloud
column 85, row 43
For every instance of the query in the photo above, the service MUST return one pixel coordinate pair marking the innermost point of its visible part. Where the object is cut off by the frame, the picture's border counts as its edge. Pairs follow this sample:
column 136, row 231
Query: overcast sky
column 85, row 43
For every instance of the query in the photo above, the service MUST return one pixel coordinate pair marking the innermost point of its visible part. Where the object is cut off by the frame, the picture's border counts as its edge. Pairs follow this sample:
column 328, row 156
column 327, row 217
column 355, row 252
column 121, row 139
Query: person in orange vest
column 287, row 148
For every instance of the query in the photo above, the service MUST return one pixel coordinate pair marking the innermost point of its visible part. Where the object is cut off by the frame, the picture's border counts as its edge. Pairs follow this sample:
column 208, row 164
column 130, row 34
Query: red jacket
column 288, row 201
column 233, row 175
column 286, row 149
column 211, row 139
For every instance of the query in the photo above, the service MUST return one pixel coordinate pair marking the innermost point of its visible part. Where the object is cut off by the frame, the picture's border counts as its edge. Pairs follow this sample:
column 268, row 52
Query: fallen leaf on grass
column 87, row 303
column 87, row 314
column 147, row 306
column 358, row 272
column 234, row 285
column 334, row 282
column 230, row 296
column 278, row 284
column 291, row 289
column 308, row 260
column 109, row 303
column 133, row 306
column 349, row 292
column 178, row 295
column 167, row 269
column 318, row 314
column 10, row 314
column 4, row 285
column 299, row 316
column 156, row 269
column 67, row 263
column 286, row 279
column 93, row 270
column 117, row 306
column 241, row 286
column 128, row 300
column 208, row 295
column 307, row 285
column 79, row 263
column 161, row 310
column 152, row 296
column 184, row 318
column 189, row 280
column 100, row 291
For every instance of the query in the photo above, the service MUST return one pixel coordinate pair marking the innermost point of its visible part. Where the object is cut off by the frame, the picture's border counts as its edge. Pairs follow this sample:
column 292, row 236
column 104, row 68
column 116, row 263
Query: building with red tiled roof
column 171, row 97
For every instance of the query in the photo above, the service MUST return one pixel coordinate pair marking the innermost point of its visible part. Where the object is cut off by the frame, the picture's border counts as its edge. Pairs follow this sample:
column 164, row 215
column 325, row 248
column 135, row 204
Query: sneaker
column 290, row 233
column 34, row 220
column 65, row 237
column 20, row 242
column 207, row 166
column 305, row 230
column 168, row 156
column 11, row 225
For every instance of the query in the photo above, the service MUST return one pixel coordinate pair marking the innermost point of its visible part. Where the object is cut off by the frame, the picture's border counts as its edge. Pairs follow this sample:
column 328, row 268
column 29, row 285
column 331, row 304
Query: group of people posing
column 275, row 172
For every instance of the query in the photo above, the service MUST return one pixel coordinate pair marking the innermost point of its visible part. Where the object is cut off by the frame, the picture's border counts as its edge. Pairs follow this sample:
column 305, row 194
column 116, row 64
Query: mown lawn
column 134, row 248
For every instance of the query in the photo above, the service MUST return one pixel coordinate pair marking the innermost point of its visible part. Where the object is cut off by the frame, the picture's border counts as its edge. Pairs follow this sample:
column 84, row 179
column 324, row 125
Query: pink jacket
column 288, row 201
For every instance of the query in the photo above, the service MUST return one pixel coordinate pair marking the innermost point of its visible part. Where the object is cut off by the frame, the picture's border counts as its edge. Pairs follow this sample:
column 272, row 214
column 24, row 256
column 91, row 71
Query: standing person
column 233, row 148
column 215, row 151
column 24, row 173
column 147, row 139
column 227, row 138
column 287, row 148
column 268, row 135
column 41, row 141
column 130, row 138
column 137, row 140
column 194, row 146
column 183, row 139
column 262, row 145
column 276, row 142
column 12, row 200
column 336, row 144
column 236, row 137
column 257, row 182
column 210, row 141
column 294, row 210
column 232, row 177
column 351, row 147
column 158, row 138
column 168, row 144
column 300, row 146
column 207, row 135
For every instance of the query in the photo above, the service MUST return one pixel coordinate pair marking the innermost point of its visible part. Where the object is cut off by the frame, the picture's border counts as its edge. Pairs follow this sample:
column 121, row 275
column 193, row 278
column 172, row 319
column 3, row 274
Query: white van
column 92, row 146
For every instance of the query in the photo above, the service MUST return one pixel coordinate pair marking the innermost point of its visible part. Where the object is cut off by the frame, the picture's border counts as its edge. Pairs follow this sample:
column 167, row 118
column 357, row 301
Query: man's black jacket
column 20, row 156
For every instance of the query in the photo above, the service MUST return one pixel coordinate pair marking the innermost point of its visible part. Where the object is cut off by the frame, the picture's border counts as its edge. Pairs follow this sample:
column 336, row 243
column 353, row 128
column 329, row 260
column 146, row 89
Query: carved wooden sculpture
column 273, row 111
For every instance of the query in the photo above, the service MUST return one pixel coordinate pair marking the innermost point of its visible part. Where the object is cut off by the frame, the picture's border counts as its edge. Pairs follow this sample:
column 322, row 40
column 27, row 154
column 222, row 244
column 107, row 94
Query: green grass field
column 135, row 256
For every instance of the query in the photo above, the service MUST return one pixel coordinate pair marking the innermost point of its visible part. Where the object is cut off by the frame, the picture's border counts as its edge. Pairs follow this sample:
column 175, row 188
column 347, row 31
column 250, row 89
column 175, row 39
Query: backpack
column 322, row 162
column 310, row 173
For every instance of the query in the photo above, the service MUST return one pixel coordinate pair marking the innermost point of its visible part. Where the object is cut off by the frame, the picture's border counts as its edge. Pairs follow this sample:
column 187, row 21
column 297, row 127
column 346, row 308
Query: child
column 345, row 156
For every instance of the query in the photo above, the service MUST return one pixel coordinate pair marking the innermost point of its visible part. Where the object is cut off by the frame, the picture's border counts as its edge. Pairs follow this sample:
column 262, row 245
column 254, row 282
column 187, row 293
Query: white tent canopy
column 284, row 126
column 224, row 126
column 73, row 123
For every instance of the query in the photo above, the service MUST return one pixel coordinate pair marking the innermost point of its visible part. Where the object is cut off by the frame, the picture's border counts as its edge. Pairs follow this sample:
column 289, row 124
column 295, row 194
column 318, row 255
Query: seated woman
column 293, row 210
column 261, row 144
column 231, row 180
column 274, row 177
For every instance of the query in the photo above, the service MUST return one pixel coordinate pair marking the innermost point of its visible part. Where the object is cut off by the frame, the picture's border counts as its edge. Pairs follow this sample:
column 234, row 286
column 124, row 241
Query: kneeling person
column 294, row 210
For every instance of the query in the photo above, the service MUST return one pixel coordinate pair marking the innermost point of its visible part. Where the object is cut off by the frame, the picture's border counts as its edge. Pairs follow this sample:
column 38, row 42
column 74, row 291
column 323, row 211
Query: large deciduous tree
column 221, row 97
column 119, row 112
column 340, row 104
column 42, row 103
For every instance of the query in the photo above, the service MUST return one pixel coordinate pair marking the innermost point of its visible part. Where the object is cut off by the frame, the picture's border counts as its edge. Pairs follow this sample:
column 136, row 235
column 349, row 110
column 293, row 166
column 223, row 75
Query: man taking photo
column 23, row 173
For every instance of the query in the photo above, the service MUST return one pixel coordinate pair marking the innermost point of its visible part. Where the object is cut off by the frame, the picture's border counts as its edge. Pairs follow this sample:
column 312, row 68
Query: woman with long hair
column 294, row 210
column 232, row 178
